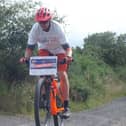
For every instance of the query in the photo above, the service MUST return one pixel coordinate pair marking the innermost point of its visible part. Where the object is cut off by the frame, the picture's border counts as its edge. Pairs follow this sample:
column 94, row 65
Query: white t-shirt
column 51, row 40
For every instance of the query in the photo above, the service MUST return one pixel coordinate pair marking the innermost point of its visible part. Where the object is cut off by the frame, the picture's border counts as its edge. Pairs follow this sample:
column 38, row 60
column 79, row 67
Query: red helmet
column 43, row 14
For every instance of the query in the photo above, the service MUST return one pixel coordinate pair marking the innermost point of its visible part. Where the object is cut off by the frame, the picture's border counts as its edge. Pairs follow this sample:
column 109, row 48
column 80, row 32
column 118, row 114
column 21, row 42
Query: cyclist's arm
column 64, row 42
column 29, row 51
column 32, row 41
column 68, row 49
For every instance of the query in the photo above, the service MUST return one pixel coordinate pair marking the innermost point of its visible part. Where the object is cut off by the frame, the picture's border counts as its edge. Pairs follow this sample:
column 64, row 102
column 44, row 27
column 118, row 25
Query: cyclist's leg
column 62, row 70
column 64, row 81
column 64, row 85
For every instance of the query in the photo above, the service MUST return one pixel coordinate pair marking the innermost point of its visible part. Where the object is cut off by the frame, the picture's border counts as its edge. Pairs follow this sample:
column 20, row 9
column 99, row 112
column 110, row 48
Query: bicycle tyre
column 58, row 120
column 55, row 118
column 41, row 115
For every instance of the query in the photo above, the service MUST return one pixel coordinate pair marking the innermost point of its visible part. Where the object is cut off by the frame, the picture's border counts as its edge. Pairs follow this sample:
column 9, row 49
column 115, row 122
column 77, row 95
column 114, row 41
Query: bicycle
column 48, row 101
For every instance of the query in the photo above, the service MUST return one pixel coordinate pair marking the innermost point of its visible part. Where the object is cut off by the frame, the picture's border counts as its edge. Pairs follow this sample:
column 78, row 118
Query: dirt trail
column 112, row 114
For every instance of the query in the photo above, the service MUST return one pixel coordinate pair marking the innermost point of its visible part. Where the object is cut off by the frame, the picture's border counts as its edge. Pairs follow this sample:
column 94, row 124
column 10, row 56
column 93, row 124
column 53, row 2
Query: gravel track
column 111, row 114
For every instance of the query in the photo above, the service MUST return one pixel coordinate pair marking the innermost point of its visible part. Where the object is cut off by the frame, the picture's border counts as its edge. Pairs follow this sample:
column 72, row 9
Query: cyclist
column 51, row 39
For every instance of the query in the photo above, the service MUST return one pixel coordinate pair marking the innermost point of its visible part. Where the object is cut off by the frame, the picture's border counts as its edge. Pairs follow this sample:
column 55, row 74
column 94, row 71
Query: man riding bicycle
column 51, row 40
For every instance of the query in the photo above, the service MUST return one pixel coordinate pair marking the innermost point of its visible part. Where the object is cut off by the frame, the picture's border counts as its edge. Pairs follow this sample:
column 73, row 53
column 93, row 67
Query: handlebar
column 63, row 61
column 37, row 63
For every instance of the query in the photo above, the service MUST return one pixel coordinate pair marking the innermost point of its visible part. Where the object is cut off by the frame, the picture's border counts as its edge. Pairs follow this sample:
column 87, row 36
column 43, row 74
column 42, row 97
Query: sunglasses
column 43, row 22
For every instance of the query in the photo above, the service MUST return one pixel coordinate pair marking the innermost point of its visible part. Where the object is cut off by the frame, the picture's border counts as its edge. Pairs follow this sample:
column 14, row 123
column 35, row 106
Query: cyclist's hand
column 23, row 60
column 69, row 59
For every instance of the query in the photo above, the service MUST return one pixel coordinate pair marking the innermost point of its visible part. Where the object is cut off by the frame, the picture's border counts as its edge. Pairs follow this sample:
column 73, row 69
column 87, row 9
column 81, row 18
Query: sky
column 86, row 17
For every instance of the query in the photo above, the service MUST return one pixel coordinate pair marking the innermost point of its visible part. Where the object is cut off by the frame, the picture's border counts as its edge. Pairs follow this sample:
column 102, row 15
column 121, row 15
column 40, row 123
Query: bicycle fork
column 53, row 105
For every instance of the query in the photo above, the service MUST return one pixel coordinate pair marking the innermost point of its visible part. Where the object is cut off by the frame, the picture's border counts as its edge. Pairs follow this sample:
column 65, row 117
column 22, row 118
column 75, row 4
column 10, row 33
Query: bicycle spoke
column 49, row 120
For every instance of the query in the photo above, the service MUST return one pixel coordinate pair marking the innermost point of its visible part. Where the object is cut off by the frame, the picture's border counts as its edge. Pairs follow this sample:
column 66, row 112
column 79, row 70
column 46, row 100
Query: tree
column 16, row 21
column 108, row 47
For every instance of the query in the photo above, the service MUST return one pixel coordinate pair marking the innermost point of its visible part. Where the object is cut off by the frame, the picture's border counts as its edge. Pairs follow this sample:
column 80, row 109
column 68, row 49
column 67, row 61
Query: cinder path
column 112, row 114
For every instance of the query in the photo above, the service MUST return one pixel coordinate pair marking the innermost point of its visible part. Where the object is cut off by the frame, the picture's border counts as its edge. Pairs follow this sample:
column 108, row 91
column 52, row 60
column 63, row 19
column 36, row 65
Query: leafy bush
column 121, row 72
column 87, row 77
column 18, row 99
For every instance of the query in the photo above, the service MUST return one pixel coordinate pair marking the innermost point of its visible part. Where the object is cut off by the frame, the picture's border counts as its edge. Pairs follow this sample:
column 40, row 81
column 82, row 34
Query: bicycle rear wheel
column 41, row 109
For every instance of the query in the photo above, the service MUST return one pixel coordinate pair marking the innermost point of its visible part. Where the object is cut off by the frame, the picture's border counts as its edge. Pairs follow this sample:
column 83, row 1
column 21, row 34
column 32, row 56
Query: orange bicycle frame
column 54, row 91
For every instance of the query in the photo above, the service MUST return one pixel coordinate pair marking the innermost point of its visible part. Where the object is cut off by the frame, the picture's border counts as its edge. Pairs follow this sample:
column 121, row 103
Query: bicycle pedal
column 64, row 117
column 66, row 114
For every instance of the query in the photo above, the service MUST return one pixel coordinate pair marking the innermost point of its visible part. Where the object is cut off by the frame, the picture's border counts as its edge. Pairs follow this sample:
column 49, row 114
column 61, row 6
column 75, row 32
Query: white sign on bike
column 43, row 65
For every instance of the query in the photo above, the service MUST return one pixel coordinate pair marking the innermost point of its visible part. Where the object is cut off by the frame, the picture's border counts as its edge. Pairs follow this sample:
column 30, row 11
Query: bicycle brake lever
column 63, row 61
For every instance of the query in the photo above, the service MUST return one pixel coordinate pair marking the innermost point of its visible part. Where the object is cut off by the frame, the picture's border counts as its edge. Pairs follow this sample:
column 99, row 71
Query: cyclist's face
column 44, row 25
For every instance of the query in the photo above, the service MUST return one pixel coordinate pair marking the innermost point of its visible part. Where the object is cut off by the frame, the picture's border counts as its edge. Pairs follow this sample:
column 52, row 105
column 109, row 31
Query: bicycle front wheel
column 41, row 111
